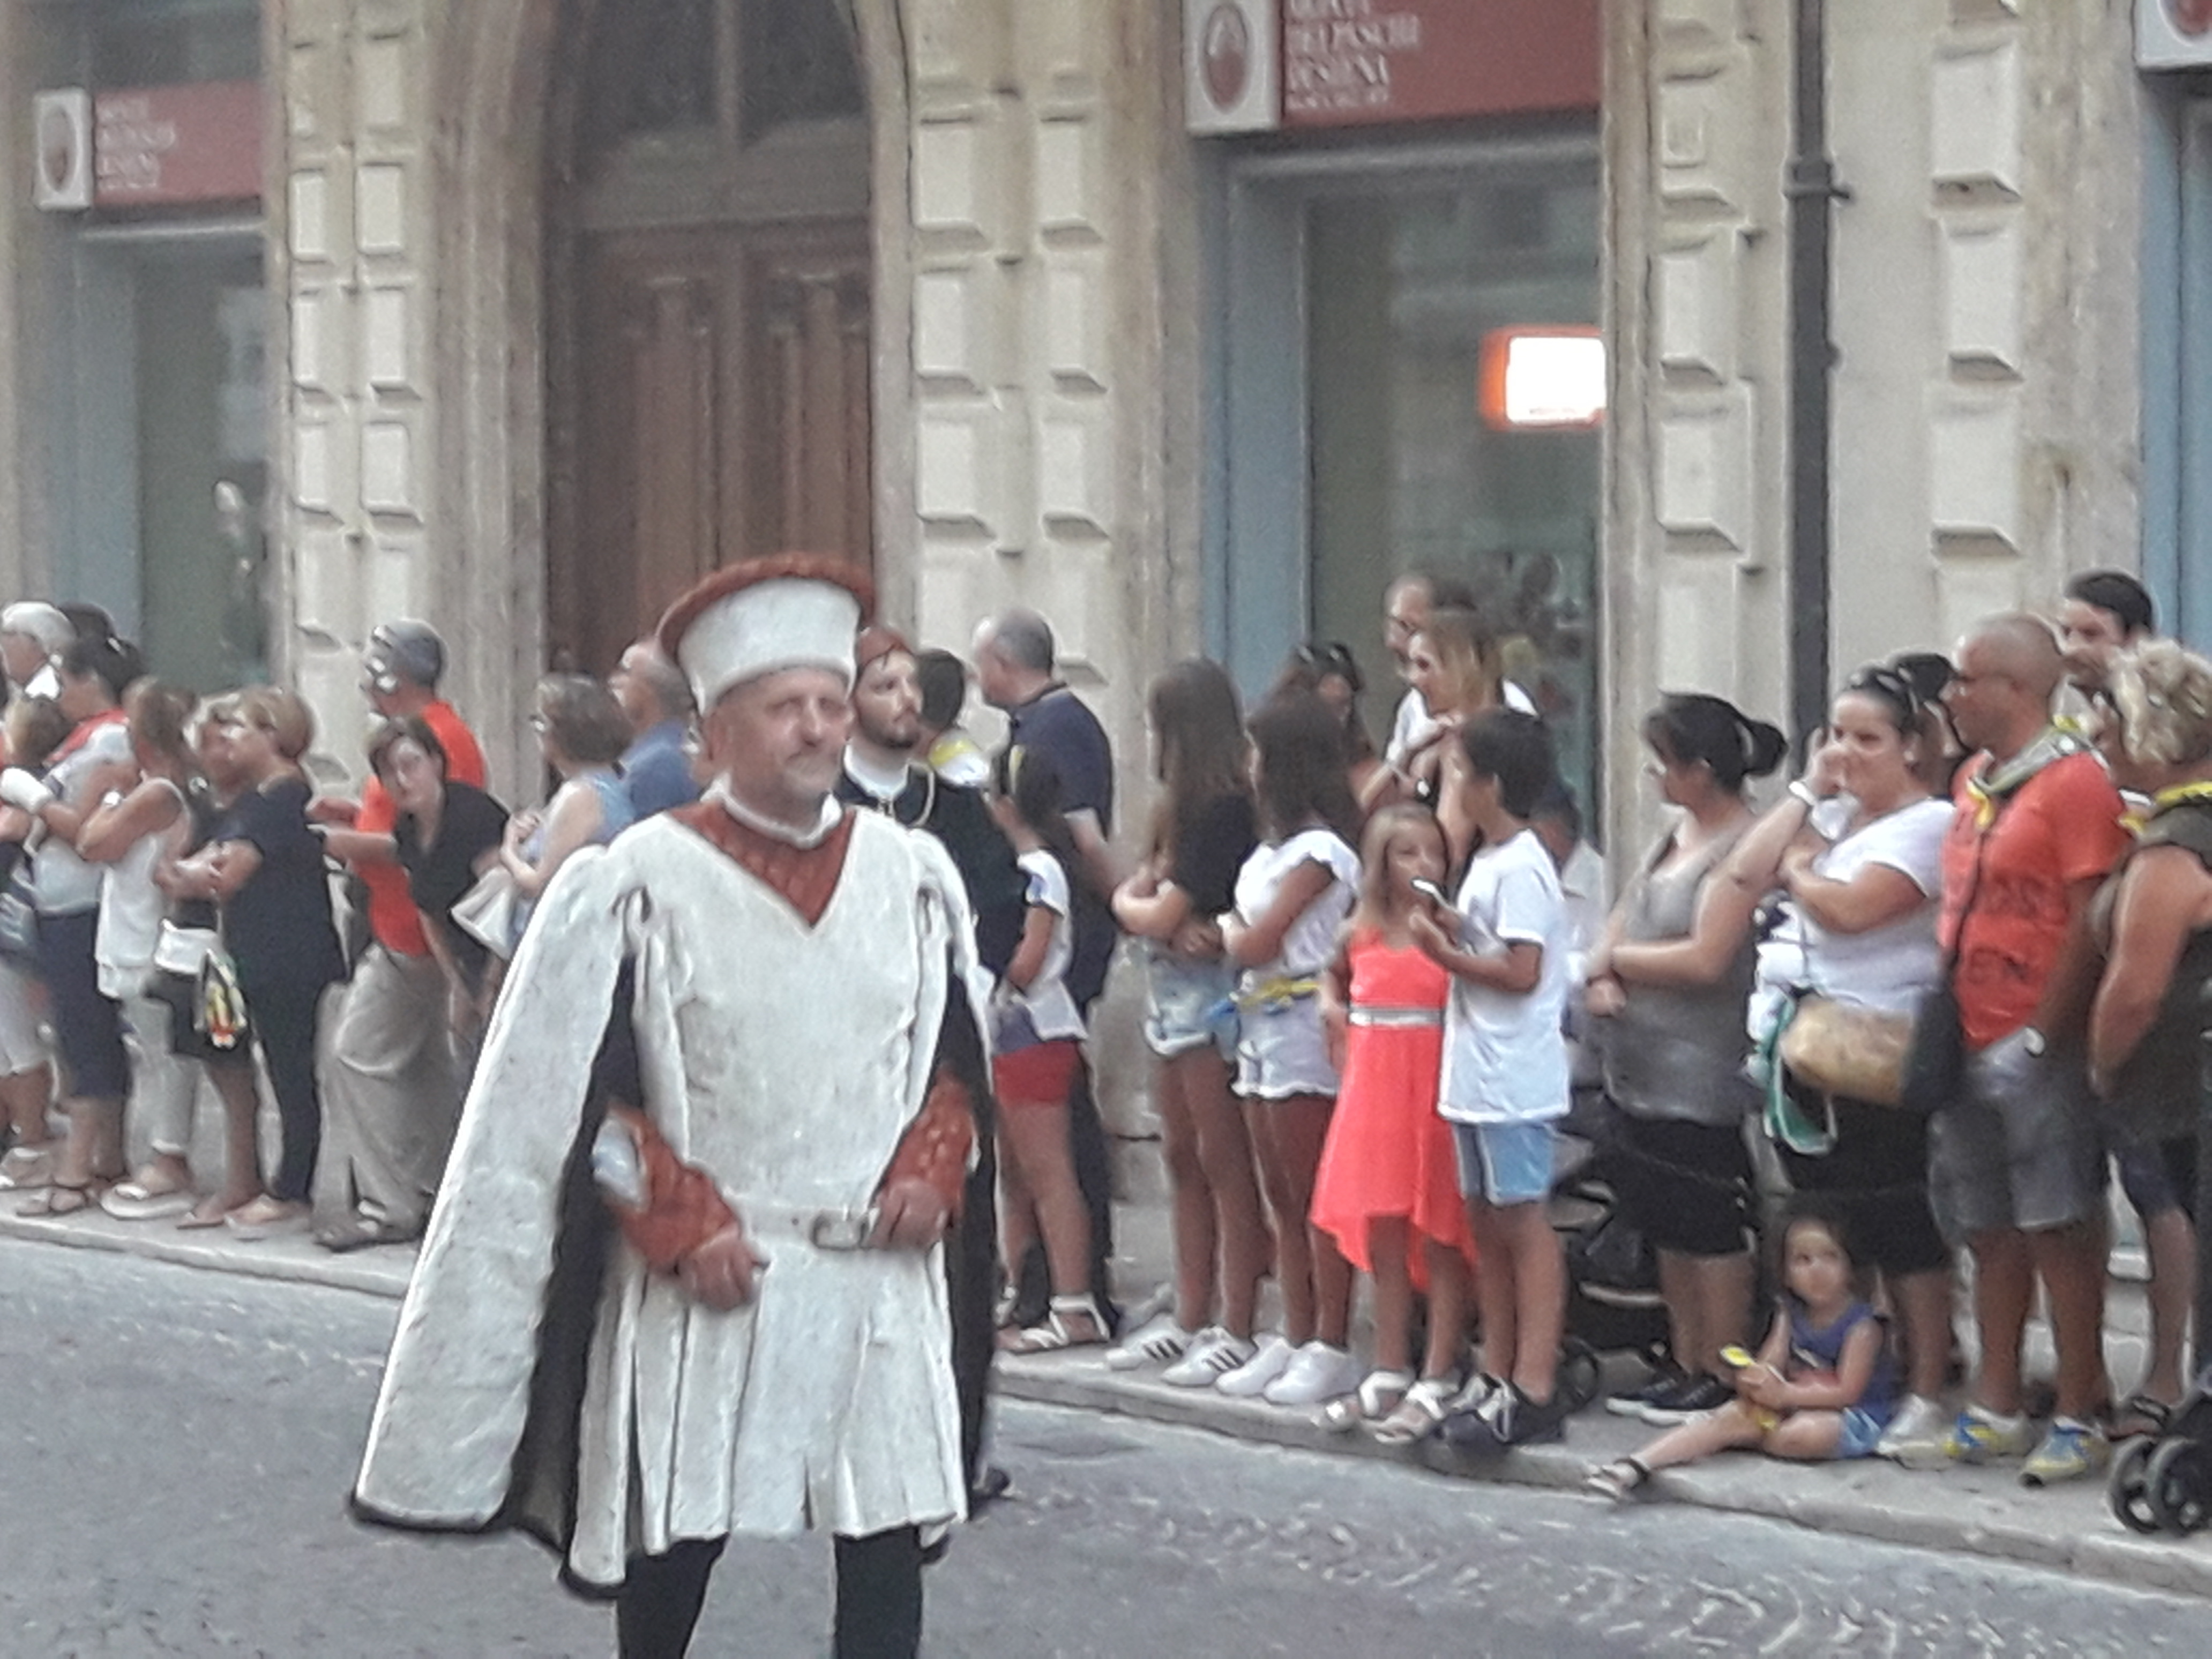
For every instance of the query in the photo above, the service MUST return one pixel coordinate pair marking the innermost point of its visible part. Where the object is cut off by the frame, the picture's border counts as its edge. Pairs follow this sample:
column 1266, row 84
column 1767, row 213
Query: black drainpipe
column 1811, row 188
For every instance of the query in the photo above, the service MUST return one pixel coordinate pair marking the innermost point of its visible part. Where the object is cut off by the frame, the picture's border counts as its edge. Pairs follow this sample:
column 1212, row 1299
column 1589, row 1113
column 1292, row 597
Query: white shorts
column 21, row 1048
column 1282, row 1051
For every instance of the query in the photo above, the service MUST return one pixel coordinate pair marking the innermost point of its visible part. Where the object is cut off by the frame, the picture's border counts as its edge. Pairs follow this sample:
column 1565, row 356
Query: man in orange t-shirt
column 2015, row 1164
column 391, row 1088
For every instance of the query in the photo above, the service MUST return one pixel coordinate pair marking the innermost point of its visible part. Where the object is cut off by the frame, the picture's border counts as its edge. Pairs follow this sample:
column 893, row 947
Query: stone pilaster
column 352, row 236
column 1695, row 511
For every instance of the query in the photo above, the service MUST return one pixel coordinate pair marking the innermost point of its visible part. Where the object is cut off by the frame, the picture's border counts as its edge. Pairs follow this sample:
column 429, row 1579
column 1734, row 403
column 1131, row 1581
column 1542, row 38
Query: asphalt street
column 176, row 1445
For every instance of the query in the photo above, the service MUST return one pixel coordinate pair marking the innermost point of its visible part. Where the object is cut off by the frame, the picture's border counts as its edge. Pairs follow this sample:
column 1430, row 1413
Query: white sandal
column 1053, row 1335
column 1418, row 1413
column 1376, row 1396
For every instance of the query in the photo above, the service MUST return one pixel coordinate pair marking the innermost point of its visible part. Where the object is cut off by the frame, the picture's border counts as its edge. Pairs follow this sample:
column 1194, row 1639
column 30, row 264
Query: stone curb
column 290, row 1258
column 1969, row 1512
column 1974, row 1513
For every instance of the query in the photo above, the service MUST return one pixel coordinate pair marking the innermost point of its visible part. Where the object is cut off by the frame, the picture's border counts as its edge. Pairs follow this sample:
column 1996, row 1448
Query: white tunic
column 785, row 1061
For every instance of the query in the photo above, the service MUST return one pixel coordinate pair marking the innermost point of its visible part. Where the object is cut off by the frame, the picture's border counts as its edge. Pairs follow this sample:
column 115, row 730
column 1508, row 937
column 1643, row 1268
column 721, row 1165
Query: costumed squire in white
column 634, row 1331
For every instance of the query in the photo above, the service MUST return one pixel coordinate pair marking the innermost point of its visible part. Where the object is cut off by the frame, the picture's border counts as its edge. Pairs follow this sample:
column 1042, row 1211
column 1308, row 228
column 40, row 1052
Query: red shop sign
column 154, row 146
column 1352, row 63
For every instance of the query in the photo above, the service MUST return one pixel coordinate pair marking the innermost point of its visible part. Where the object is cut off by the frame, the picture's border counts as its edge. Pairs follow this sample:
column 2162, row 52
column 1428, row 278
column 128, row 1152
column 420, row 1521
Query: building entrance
column 708, row 279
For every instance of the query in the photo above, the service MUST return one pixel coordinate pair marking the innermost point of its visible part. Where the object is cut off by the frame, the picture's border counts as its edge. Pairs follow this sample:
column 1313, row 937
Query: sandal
column 24, row 1168
column 1616, row 1481
column 1376, row 1397
column 2140, row 1415
column 60, row 1198
column 1418, row 1413
column 1057, row 1330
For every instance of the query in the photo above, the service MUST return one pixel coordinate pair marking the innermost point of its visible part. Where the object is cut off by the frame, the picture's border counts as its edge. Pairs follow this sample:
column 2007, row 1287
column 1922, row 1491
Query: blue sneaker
column 2070, row 1451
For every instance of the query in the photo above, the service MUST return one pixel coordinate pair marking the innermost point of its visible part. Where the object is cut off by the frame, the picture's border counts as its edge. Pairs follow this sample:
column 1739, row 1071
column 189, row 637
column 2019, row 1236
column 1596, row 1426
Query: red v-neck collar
column 805, row 878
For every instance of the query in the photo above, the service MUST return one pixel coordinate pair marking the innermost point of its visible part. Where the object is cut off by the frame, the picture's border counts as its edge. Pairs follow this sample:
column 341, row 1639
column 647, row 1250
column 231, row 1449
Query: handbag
column 1843, row 1049
column 219, row 1013
column 182, row 950
column 1781, row 1113
column 486, row 912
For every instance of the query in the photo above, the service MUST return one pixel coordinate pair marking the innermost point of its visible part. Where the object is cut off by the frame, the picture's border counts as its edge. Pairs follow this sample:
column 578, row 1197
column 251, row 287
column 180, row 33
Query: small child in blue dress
column 1822, row 1386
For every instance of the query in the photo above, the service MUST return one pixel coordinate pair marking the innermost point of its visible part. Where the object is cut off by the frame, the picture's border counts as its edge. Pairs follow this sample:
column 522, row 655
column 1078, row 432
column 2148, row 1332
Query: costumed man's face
column 778, row 740
column 887, row 703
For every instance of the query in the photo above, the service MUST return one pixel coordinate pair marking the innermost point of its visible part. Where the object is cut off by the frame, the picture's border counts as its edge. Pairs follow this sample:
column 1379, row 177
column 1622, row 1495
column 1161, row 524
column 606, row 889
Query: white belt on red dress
column 1363, row 1013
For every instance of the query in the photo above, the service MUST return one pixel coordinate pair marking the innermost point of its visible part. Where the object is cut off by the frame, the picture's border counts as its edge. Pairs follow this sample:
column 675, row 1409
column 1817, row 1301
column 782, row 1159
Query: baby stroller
column 2163, row 1482
column 1613, row 1304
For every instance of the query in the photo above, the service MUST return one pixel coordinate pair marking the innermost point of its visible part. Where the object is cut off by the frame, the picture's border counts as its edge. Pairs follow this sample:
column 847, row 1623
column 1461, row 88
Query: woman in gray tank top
column 1668, row 983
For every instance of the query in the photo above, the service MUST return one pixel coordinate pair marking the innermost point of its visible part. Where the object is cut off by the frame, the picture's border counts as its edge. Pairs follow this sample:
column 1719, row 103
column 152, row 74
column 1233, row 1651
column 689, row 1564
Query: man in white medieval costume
column 683, row 1279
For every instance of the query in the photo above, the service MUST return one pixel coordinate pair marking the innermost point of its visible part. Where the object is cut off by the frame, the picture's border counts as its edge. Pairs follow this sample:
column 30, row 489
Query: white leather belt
column 825, row 1230
column 1395, row 1019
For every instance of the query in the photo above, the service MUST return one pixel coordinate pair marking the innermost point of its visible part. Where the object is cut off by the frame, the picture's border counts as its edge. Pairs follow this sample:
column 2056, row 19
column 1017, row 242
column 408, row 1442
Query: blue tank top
column 1812, row 1349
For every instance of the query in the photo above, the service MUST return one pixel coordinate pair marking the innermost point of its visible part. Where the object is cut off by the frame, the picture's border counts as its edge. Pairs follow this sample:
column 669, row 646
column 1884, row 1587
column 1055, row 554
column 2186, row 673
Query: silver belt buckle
column 841, row 1230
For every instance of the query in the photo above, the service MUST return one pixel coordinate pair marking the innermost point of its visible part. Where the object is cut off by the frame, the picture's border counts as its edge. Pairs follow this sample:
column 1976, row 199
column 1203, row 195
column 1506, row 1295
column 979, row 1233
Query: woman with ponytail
column 1668, row 981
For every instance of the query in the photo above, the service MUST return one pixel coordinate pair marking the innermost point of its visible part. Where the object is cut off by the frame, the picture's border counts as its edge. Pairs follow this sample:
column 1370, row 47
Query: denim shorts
column 1503, row 1164
column 1188, row 1005
column 1282, row 1051
column 1862, row 1432
column 2020, row 1148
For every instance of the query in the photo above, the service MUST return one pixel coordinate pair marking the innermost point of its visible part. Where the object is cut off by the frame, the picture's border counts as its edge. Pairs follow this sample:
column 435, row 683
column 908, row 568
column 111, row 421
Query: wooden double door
column 717, row 409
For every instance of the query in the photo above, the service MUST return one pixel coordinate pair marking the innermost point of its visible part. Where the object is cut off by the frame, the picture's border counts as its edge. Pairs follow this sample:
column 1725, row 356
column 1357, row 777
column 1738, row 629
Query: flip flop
column 2140, row 1415
column 134, row 1201
column 61, row 1198
column 199, row 1218
column 27, row 1168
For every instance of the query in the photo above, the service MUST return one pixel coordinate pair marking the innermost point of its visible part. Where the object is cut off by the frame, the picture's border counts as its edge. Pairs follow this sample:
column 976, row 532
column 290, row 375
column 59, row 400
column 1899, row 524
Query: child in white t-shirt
column 1037, row 1039
column 1507, row 945
column 1292, row 897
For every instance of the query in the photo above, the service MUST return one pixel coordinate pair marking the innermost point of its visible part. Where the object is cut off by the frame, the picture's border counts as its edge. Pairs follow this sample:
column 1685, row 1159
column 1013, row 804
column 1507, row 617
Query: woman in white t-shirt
column 1037, row 1043
column 1292, row 897
column 1867, row 902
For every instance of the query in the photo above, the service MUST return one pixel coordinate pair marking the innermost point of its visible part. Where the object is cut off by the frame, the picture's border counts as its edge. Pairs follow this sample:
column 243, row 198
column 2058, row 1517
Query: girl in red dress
column 1388, row 1188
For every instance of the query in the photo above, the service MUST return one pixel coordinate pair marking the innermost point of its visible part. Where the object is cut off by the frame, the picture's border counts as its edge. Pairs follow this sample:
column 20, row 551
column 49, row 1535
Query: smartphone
column 1737, row 1358
column 1429, row 889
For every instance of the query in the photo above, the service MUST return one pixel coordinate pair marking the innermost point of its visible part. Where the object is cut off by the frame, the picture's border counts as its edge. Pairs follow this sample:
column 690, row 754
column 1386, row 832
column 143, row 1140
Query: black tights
column 878, row 1597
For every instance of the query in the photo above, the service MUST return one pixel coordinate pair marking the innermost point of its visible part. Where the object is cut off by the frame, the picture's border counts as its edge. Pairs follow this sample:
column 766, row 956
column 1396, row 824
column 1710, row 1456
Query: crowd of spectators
column 1376, row 979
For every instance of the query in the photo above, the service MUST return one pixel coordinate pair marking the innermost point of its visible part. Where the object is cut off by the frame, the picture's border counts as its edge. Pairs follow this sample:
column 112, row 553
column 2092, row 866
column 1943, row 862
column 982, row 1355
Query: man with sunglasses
column 2015, row 1164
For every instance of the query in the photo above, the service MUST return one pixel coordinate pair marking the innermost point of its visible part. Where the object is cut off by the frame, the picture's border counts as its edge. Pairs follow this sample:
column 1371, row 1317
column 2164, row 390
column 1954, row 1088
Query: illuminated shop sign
column 1258, row 65
column 1541, row 379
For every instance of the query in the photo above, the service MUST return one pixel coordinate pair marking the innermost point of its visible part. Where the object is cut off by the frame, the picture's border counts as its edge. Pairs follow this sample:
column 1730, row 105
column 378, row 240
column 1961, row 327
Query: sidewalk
column 1984, row 1512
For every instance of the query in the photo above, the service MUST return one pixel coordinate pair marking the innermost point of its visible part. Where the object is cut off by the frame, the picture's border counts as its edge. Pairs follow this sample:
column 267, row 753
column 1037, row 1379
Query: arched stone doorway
column 708, row 283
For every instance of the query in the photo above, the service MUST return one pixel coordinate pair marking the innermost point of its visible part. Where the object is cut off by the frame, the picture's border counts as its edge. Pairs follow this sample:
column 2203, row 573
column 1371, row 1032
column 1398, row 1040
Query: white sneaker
column 1918, row 1420
column 1158, row 1341
column 1316, row 1372
column 1212, row 1354
column 1251, row 1380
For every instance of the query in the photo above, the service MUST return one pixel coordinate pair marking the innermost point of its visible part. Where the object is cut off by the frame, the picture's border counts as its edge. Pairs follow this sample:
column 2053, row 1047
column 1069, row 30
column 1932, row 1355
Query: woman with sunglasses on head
column 1328, row 669
column 1857, row 848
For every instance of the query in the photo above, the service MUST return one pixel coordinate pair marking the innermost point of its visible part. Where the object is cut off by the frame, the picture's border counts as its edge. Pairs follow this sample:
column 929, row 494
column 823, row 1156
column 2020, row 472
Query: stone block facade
column 1984, row 302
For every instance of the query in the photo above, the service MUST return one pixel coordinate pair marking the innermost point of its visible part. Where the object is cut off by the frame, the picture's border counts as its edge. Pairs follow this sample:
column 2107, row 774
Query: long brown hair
column 1467, row 651
column 1200, row 727
column 1302, row 774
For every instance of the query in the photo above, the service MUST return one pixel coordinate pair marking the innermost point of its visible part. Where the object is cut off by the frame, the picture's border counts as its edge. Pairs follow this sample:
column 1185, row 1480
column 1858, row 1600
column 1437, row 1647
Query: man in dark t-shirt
column 883, row 773
column 1014, row 669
